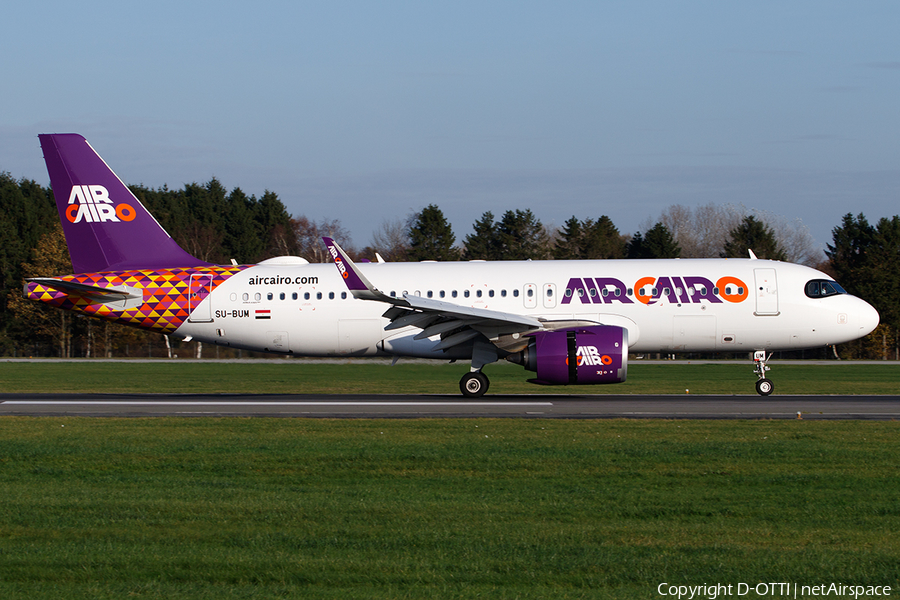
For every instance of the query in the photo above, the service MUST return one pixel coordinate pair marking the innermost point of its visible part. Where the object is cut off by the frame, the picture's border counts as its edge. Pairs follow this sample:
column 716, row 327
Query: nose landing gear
column 764, row 386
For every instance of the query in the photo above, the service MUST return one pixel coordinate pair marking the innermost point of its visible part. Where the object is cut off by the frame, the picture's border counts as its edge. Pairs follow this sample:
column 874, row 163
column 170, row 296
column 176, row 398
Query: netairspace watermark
column 771, row 590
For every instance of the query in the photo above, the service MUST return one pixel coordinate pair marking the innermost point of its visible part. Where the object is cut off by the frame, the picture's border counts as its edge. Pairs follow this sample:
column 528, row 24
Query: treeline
column 207, row 220
column 217, row 225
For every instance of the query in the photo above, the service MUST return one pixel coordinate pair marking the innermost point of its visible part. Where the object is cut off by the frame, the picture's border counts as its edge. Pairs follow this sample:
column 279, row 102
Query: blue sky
column 367, row 111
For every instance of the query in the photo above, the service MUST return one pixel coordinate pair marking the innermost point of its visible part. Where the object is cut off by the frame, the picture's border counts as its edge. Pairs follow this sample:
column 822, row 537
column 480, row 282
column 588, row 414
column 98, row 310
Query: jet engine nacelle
column 577, row 356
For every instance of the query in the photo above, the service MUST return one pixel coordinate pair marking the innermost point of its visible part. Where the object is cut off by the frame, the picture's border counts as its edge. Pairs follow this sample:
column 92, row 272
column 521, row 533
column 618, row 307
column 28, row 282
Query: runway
column 436, row 406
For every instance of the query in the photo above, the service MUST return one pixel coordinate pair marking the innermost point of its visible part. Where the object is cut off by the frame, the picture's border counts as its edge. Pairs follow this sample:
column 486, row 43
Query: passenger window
column 245, row 297
column 343, row 295
column 294, row 296
column 503, row 293
column 491, row 293
column 306, row 295
column 454, row 293
column 430, row 293
column 281, row 296
column 605, row 292
column 530, row 292
column 257, row 296
column 318, row 295
column 515, row 293
column 443, row 294
column 269, row 296
column 549, row 292
column 478, row 293
column 466, row 293
column 331, row 295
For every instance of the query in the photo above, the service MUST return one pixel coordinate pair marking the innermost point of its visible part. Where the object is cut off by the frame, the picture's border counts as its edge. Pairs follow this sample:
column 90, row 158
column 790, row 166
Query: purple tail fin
column 106, row 227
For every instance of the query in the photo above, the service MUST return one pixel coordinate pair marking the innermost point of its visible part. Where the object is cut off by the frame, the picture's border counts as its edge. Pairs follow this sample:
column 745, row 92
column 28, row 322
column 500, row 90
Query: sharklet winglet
column 356, row 282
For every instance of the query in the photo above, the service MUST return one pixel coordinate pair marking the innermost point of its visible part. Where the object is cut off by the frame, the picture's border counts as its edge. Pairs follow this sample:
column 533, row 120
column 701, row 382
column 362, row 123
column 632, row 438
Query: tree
column 703, row 231
column 27, row 212
column 657, row 243
column 390, row 241
column 431, row 237
column 601, row 240
column 521, row 236
column 589, row 239
column 309, row 234
column 49, row 257
column 243, row 233
column 849, row 253
column 275, row 223
column 568, row 243
column 482, row 244
column 884, row 288
column 754, row 235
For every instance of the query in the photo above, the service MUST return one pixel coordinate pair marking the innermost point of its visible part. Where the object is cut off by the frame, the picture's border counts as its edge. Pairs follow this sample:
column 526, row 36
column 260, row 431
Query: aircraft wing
column 455, row 324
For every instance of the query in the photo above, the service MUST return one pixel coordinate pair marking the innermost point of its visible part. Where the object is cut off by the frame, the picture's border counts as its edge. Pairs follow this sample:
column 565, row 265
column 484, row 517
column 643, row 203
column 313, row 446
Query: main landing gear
column 764, row 386
column 474, row 384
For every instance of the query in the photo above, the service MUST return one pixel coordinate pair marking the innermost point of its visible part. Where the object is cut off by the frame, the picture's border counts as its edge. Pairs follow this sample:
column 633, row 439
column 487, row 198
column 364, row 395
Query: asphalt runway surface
column 438, row 406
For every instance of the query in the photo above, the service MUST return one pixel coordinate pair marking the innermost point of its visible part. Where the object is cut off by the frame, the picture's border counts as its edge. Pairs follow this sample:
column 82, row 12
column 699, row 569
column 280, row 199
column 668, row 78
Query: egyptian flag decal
column 263, row 314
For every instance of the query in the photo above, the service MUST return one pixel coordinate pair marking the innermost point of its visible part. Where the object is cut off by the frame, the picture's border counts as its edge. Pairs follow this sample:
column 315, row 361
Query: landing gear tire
column 764, row 387
column 474, row 384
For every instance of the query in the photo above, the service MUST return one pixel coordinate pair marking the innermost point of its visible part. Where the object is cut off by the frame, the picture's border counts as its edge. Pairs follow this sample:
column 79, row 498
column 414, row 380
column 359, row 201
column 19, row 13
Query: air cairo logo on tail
column 91, row 204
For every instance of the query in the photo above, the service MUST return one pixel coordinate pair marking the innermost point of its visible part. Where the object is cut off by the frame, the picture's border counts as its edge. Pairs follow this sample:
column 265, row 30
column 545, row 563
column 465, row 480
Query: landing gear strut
column 764, row 386
column 474, row 384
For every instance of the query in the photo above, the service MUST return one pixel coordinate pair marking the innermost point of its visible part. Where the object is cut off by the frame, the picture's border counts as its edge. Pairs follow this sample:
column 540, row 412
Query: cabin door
column 766, row 292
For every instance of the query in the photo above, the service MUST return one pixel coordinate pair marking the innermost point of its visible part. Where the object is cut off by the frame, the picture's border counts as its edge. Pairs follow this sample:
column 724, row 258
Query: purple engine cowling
column 577, row 356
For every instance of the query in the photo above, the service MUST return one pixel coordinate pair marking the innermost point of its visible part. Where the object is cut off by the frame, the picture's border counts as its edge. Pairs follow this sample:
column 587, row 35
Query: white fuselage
column 736, row 305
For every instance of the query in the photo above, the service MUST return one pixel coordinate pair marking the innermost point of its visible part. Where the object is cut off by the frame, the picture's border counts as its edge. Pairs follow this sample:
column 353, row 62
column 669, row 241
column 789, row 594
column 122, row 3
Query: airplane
column 569, row 322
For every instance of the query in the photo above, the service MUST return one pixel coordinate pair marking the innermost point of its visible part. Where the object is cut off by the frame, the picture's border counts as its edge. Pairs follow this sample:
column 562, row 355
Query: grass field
column 438, row 508
column 295, row 508
column 366, row 377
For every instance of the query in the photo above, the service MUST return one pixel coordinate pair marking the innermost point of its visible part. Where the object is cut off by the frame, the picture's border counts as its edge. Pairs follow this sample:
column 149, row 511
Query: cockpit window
column 820, row 288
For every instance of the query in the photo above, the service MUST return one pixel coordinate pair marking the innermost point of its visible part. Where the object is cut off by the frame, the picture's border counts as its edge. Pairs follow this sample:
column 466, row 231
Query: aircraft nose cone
column 868, row 319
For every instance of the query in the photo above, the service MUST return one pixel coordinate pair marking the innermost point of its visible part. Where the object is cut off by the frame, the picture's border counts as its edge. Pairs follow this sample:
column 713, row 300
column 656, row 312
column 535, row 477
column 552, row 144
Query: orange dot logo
column 740, row 293
column 125, row 212
column 72, row 212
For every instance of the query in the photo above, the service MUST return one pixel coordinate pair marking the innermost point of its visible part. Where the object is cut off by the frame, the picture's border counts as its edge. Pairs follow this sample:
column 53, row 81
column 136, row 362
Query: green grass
column 295, row 508
column 366, row 377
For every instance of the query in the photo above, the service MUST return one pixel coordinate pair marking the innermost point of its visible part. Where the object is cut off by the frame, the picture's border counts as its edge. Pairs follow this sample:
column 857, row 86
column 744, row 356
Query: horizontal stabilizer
column 123, row 295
